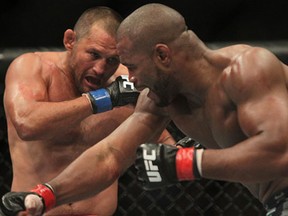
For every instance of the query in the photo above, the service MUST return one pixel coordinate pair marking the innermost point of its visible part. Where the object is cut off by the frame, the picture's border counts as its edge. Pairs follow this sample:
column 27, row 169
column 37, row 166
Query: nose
column 130, row 77
column 99, row 66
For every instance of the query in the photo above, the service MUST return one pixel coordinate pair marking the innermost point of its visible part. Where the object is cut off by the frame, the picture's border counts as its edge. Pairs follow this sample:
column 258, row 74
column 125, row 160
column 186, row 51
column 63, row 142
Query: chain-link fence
column 205, row 197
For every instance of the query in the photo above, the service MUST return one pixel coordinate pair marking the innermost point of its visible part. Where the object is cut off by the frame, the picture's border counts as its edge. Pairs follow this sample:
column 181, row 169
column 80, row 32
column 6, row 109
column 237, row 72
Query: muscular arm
column 103, row 163
column 27, row 104
column 262, row 106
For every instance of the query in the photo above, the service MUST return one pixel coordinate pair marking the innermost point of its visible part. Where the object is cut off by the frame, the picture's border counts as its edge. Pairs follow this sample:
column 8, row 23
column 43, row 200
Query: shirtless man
column 233, row 100
column 49, row 122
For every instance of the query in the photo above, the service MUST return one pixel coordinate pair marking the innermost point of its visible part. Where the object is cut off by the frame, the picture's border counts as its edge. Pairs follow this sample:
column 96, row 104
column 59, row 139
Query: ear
column 162, row 54
column 69, row 39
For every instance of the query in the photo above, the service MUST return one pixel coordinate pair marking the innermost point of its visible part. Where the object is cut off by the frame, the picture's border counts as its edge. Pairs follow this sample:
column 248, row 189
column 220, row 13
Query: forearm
column 246, row 162
column 55, row 117
column 99, row 166
column 91, row 173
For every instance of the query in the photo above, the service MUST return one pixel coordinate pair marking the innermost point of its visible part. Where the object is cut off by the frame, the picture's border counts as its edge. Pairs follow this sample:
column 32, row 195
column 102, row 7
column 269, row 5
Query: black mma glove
column 186, row 142
column 161, row 165
column 14, row 202
column 118, row 93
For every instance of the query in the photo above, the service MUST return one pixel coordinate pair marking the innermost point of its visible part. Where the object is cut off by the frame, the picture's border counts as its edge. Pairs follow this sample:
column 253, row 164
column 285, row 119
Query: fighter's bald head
column 151, row 24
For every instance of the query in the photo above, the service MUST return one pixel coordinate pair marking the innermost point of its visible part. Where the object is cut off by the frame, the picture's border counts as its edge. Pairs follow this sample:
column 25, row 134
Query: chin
column 158, row 100
column 85, row 89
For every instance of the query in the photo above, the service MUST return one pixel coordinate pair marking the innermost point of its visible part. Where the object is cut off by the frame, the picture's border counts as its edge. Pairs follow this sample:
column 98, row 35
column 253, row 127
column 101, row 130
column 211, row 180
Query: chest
column 214, row 124
column 222, row 117
column 60, row 86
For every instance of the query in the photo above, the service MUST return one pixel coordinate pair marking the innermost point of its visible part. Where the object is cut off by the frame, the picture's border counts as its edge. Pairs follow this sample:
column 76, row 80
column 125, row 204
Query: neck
column 200, row 75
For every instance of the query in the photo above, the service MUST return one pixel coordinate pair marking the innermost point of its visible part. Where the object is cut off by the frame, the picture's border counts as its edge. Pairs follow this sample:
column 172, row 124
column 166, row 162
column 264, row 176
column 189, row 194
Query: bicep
column 257, row 87
column 267, row 114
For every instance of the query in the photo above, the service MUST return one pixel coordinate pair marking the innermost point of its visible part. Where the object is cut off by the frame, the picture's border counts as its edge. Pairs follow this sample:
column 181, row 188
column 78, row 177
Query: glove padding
column 119, row 93
column 122, row 91
column 161, row 165
column 13, row 202
column 37, row 201
column 186, row 142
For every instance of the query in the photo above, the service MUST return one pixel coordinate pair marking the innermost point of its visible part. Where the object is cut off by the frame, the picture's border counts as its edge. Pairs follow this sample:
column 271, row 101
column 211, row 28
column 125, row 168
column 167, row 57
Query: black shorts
column 277, row 204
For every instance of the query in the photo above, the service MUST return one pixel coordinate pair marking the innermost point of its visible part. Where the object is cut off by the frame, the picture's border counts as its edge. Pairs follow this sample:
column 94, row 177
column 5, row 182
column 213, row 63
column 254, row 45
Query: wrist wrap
column 47, row 195
column 100, row 100
column 186, row 164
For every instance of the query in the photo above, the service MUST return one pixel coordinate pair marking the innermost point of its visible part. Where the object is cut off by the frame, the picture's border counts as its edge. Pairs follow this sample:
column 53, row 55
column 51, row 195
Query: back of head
column 107, row 17
column 151, row 24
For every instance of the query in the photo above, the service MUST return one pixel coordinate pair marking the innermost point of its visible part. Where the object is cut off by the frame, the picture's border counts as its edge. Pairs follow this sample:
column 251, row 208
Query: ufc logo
column 127, row 84
column 151, row 169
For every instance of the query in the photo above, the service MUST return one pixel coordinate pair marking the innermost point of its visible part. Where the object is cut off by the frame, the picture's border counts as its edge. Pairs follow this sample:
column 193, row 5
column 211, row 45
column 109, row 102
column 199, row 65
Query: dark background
column 32, row 23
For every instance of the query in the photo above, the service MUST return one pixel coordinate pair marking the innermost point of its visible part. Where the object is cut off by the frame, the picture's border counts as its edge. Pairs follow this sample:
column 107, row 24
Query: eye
column 113, row 61
column 95, row 55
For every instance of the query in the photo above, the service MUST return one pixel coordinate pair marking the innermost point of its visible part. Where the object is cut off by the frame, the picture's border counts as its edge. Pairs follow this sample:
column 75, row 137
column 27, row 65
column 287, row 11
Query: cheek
column 82, row 64
column 77, row 63
column 79, row 59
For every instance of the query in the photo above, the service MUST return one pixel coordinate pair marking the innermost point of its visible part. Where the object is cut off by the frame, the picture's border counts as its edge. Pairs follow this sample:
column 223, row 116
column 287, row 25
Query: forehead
column 98, row 39
column 125, row 49
column 124, row 45
column 98, row 34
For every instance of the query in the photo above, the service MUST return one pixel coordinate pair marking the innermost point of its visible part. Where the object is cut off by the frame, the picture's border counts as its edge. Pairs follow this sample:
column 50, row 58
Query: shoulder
column 26, row 57
column 254, row 59
column 26, row 60
column 253, row 69
column 252, row 63
column 32, row 64
column 26, row 67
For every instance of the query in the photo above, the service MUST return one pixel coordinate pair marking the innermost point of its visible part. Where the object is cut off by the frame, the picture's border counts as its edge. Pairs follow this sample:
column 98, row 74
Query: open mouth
column 93, row 82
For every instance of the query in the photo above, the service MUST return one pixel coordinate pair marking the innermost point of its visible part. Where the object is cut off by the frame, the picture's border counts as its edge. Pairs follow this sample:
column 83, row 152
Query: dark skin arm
column 262, row 109
column 107, row 160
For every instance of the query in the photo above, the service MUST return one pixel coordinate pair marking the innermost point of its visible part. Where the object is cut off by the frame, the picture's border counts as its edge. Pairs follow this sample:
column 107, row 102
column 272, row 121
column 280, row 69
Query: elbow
column 114, row 172
column 117, row 165
column 25, row 131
